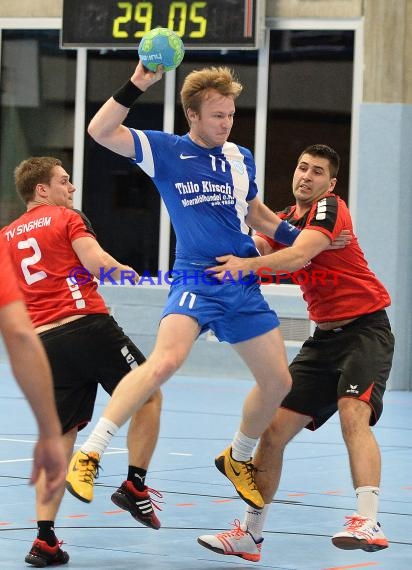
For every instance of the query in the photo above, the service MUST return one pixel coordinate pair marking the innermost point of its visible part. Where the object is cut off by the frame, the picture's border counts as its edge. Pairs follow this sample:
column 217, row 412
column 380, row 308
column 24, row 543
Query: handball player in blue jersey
column 208, row 186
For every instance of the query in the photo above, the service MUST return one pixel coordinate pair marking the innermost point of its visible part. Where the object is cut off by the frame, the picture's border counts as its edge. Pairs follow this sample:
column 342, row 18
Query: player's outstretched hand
column 230, row 267
column 133, row 275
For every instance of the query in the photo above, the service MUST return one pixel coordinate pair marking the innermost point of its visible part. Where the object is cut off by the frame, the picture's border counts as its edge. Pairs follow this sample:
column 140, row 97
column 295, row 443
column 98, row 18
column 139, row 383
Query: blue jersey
column 206, row 192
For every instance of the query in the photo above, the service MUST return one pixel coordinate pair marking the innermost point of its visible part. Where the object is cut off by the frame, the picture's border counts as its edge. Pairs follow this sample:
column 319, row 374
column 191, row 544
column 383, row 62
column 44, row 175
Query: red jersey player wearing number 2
column 343, row 367
column 55, row 253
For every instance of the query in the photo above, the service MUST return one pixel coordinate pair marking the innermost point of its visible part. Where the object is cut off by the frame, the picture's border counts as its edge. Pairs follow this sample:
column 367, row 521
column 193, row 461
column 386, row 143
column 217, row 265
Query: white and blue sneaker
column 236, row 542
column 360, row 533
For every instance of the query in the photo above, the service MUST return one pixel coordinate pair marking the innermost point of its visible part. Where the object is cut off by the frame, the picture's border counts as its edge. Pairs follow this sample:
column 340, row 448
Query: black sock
column 45, row 531
column 137, row 476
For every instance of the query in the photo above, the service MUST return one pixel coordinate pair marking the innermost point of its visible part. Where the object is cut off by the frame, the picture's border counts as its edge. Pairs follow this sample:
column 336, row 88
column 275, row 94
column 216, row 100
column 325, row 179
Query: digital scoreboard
column 202, row 24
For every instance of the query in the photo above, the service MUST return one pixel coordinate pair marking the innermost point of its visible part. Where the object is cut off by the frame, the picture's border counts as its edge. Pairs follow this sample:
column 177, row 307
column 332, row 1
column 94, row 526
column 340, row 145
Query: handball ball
column 161, row 46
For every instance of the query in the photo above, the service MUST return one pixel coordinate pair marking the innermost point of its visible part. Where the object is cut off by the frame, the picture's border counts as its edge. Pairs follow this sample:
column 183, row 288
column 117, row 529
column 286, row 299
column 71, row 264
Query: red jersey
column 41, row 249
column 9, row 289
column 336, row 284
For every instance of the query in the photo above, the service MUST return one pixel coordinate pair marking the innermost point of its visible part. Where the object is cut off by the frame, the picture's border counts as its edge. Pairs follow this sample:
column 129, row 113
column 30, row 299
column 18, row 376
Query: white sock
column 255, row 520
column 368, row 501
column 242, row 447
column 100, row 437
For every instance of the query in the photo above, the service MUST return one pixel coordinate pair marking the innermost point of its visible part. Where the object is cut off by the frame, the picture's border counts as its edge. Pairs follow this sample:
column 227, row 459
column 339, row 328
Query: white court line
column 115, row 450
column 18, row 440
column 35, row 440
column 31, row 459
column 15, row 460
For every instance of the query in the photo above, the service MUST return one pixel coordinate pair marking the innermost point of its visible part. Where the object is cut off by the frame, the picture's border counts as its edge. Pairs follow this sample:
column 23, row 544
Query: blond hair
column 197, row 84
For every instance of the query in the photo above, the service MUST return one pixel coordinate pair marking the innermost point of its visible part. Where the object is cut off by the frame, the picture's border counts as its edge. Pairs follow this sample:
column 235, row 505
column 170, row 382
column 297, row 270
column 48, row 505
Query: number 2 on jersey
column 31, row 278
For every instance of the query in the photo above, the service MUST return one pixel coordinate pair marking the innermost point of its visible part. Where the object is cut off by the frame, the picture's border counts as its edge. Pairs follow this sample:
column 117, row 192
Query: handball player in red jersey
column 343, row 367
column 56, row 257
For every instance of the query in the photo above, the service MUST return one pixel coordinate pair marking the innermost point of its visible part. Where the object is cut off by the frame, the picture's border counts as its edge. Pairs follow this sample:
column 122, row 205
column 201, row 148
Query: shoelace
column 154, row 501
column 90, row 469
column 355, row 524
column 250, row 471
column 236, row 532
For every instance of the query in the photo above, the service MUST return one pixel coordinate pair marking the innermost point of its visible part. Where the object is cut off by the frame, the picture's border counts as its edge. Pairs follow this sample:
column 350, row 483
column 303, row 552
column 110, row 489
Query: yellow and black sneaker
column 241, row 474
column 83, row 470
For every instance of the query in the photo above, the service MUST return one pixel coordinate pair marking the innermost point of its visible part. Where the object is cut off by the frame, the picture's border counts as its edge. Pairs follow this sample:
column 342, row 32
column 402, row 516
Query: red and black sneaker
column 42, row 555
column 138, row 503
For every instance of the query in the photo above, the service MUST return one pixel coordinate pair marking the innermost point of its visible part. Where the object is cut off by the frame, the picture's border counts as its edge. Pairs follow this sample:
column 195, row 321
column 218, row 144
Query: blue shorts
column 234, row 312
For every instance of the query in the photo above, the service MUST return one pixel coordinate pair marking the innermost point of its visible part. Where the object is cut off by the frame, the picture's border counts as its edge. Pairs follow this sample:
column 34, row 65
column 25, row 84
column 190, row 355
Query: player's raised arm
column 106, row 126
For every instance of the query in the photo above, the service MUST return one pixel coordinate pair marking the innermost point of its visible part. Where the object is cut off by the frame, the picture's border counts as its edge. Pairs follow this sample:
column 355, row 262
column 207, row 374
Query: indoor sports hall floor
column 199, row 419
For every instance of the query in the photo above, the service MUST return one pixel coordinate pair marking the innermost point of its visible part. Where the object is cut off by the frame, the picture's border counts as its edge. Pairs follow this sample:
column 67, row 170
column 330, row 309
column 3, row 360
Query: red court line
column 222, row 501
column 117, row 512
column 362, row 565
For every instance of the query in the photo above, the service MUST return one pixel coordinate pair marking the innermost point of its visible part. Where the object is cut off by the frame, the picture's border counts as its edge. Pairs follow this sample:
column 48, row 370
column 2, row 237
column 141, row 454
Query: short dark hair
column 327, row 152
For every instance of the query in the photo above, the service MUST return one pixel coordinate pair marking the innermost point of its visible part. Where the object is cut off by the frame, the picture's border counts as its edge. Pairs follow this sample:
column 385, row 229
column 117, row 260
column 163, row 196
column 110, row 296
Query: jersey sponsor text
column 28, row 227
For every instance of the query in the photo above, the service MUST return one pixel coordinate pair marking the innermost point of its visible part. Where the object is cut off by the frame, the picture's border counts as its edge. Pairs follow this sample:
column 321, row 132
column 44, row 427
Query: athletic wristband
column 127, row 94
column 286, row 233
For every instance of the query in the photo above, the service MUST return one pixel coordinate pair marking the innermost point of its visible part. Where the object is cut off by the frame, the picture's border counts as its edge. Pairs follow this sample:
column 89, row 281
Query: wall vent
column 294, row 329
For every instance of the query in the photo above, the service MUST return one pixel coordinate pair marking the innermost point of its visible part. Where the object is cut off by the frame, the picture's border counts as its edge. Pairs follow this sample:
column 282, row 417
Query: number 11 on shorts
column 192, row 299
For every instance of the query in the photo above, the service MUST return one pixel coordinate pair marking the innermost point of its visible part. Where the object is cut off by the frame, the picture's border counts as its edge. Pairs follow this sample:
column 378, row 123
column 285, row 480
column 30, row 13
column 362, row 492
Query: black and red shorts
column 84, row 353
column 352, row 361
